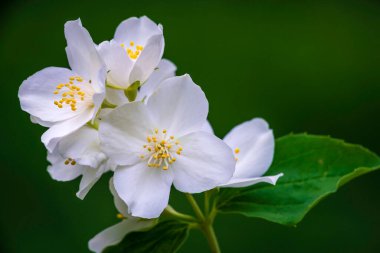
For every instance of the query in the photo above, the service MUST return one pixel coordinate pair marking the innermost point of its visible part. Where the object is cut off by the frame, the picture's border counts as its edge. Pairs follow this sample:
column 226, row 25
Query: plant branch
column 171, row 212
column 194, row 205
column 205, row 224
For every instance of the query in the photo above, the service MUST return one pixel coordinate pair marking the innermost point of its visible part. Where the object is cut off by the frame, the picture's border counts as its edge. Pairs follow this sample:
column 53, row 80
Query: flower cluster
column 120, row 108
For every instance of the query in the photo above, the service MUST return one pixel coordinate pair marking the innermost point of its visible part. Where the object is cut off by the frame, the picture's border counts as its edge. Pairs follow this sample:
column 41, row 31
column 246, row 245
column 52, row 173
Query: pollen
column 120, row 216
column 236, row 151
column 160, row 151
column 133, row 50
column 70, row 161
column 70, row 90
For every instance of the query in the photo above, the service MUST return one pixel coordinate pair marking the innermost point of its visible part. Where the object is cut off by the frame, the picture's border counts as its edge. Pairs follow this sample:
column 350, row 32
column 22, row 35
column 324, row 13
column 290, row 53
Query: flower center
column 161, row 150
column 133, row 50
column 70, row 93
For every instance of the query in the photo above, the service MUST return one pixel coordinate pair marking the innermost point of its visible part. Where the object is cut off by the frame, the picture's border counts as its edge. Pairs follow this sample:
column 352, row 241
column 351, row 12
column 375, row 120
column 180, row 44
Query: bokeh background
column 304, row 66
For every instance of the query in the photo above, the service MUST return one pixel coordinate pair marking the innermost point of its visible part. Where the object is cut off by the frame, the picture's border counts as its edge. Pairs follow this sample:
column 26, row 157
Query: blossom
column 113, row 235
column 79, row 154
column 134, row 52
column 253, row 145
column 64, row 99
column 161, row 143
column 164, row 70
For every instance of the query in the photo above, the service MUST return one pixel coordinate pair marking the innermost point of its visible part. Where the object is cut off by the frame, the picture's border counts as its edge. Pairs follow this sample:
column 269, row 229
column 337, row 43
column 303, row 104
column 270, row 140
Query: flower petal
column 145, row 190
column 113, row 235
column 244, row 182
column 36, row 120
column 119, row 203
column 179, row 105
column 84, row 146
column 60, row 171
column 118, row 63
column 81, row 51
column 205, row 163
column 51, row 137
column 148, row 60
column 123, row 132
column 207, row 127
column 89, row 178
column 138, row 30
column 255, row 142
column 116, row 97
column 165, row 70
column 37, row 96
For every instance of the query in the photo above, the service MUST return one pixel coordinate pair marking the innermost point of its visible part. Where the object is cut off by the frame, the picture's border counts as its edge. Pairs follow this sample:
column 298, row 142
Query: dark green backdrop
column 311, row 66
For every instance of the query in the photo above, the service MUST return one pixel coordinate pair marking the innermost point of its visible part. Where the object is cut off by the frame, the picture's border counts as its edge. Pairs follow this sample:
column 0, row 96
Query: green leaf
column 313, row 167
column 167, row 236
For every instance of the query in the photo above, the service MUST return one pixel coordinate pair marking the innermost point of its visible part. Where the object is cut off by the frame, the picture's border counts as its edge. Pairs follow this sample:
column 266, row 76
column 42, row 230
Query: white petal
column 205, row 162
column 113, row 235
column 81, row 51
column 51, row 137
column 119, row 203
column 89, row 178
column 179, row 105
column 145, row 190
column 60, row 171
column 84, row 146
column 118, row 63
column 165, row 70
column 36, row 120
column 244, row 182
column 138, row 30
column 100, row 91
column 148, row 60
column 116, row 97
column 123, row 132
column 255, row 141
column 207, row 127
column 37, row 96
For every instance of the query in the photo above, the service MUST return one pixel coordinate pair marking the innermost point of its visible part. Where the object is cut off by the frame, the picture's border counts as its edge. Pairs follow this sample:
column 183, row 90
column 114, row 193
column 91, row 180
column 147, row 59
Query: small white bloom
column 253, row 145
column 113, row 235
column 161, row 143
column 134, row 52
column 65, row 99
column 165, row 70
column 79, row 154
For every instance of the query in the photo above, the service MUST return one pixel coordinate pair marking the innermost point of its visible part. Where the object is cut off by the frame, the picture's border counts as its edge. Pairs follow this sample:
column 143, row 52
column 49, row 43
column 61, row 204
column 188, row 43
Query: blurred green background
column 307, row 66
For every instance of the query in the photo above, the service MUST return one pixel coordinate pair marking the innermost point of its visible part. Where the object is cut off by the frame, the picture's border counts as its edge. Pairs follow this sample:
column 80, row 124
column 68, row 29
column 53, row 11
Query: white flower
column 64, row 99
column 79, row 154
column 161, row 143
column 253, row 145
column 165, row 70
column 134, row 53
column 113, row 235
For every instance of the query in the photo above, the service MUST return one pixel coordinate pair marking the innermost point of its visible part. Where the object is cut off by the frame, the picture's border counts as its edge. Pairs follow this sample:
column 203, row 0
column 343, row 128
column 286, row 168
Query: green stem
column 205, row 224
column 207, row 202
column 209, row 232
column 107, row 104
column 113, row 86
column 171, row 212
column 195, row 207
